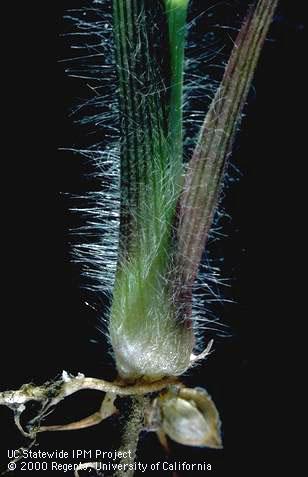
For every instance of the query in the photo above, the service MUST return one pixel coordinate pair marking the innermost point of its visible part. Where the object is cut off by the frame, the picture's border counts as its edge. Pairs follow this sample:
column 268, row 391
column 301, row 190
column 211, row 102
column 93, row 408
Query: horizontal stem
column 57, row 391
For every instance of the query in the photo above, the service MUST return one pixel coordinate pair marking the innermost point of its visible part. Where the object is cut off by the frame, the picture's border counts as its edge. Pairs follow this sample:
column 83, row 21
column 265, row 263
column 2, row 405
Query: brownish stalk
column 205, row 172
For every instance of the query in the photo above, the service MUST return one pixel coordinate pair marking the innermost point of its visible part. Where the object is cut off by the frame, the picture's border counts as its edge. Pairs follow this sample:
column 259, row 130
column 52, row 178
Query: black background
column 46, row 325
